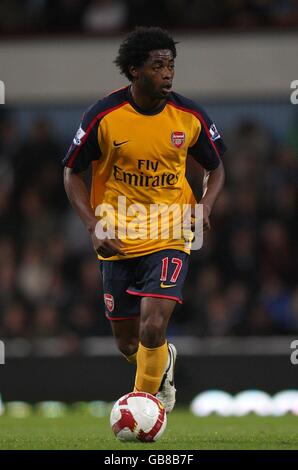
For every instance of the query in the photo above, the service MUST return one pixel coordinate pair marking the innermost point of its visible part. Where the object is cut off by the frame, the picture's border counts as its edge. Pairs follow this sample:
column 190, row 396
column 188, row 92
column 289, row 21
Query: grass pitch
column 184, row 432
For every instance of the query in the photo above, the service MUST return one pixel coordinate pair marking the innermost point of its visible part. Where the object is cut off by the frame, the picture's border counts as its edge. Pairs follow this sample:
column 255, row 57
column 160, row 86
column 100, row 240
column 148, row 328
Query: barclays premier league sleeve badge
column 214, row 132
column 79, row 135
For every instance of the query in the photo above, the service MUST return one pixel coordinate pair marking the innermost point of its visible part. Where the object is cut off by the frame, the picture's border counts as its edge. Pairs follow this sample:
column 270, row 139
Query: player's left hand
column 206, row 221
column 206, row 215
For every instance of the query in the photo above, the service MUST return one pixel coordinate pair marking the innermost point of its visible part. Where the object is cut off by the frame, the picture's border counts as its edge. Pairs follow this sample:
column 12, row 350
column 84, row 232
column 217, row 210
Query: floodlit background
column 240, row 315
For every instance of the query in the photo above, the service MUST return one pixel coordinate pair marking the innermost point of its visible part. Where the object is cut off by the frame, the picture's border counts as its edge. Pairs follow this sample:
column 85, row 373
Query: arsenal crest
column 178, row 138
column 109, row 301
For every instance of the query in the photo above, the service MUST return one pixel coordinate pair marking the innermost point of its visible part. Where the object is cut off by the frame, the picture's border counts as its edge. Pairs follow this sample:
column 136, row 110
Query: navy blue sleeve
column 209, row 146
column 85, row 147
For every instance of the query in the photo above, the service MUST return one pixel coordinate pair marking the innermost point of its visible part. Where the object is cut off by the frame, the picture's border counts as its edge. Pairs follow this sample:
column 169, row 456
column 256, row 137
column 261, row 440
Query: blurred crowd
column 111, row 16
column 243, row 281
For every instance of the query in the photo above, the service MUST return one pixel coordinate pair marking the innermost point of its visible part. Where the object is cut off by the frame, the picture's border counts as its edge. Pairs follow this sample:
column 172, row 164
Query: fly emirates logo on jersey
column 143, row 178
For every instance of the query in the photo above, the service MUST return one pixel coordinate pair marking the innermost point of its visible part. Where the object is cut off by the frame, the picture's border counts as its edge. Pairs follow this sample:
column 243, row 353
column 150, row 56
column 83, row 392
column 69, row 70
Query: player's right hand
column 107, row 247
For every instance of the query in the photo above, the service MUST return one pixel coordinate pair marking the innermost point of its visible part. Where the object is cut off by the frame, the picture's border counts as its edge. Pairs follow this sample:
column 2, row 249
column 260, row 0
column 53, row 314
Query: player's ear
column 134, row 71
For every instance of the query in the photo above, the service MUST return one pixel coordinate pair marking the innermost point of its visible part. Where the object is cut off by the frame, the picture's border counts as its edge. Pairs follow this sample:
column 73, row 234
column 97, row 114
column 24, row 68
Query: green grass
column 184, row 431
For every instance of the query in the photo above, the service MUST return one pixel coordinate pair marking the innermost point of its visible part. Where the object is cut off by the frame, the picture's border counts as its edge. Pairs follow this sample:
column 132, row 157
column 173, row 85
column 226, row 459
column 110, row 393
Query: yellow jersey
column 138, row 163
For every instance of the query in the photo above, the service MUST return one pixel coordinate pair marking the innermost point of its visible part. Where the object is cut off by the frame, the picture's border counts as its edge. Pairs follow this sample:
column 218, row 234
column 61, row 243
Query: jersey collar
column 140, row 110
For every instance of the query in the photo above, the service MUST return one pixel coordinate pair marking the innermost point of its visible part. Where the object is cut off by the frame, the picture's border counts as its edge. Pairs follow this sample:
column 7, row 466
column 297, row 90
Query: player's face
column 156, row 75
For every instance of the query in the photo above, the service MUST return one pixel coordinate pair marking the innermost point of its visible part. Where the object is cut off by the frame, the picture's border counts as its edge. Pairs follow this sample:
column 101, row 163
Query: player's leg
column 126, row 334
column 160, row 284
column 121, row 309
column 154, row 319
column 153, row 353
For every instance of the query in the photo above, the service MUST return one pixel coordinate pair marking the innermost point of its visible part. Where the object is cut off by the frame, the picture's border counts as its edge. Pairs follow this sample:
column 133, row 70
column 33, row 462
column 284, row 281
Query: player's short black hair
column 136, row 47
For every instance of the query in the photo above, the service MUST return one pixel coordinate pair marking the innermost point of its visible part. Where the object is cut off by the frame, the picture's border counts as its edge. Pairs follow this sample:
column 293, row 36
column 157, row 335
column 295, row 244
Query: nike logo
column 165, row 286
column 117, row 144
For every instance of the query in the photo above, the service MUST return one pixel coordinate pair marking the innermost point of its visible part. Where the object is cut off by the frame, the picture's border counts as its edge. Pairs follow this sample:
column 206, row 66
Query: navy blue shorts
column 160, row 274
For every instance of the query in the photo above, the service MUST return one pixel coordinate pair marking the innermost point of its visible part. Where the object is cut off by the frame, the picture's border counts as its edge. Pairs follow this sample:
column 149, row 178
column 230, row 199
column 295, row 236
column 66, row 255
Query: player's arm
column 83, row 150
column 208, row 150
column 212, row 185
column 78, row 195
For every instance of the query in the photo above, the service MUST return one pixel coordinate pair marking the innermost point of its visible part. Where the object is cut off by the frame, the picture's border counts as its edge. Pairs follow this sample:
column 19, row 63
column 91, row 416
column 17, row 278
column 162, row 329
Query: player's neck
column 143, row 101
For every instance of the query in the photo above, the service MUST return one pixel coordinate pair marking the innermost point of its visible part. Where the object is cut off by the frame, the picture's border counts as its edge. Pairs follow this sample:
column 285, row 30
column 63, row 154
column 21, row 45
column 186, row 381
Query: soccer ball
column 138, row 416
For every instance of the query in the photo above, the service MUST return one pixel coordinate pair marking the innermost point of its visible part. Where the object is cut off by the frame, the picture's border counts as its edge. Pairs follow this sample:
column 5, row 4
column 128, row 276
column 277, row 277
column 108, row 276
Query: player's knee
column 152, row 331
column 128, row 349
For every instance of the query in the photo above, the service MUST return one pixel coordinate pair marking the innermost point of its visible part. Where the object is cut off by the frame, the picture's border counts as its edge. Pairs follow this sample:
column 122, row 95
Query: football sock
column 132, row 359
column 151, row 364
